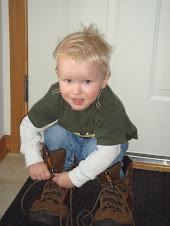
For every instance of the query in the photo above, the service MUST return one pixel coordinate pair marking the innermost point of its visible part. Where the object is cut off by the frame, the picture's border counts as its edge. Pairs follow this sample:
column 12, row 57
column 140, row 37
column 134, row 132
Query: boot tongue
column 57, row 159
column 114, row 173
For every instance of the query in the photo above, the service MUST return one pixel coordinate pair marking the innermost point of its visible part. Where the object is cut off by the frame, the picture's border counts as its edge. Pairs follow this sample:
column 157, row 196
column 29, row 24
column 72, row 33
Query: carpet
column 151, row 191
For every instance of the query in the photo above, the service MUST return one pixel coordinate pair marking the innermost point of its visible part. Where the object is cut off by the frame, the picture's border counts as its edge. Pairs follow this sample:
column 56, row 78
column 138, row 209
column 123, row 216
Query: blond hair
column 87, row 46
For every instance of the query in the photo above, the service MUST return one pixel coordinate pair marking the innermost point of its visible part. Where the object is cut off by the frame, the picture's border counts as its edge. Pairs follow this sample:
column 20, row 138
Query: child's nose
column 77, row 89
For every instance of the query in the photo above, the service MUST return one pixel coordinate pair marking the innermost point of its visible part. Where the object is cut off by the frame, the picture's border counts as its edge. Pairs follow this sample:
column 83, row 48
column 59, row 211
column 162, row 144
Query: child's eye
column 68, row 80
column 87, row 81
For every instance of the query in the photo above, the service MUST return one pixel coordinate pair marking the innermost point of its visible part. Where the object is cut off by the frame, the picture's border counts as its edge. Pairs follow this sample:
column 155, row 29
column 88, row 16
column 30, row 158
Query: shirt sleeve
column 94, row 164
column 47, row 109
column 30, row 141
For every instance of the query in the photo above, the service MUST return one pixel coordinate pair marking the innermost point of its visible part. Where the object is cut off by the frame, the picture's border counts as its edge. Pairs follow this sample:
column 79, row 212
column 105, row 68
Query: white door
column 139, row 31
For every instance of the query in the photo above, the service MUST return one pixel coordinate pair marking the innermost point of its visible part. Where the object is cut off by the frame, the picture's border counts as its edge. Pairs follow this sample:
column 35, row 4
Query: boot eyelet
column 120, row 211
column 120, row 204
column 55, row 201
column 46, row 186
column 104, row 200
column 59, row 194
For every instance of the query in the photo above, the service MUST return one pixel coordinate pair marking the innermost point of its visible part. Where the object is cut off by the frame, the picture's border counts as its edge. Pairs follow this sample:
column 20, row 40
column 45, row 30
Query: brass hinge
column 26, row 88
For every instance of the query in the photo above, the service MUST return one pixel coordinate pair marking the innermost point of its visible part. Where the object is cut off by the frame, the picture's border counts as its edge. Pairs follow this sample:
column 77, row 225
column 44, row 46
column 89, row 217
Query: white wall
column 4, row 70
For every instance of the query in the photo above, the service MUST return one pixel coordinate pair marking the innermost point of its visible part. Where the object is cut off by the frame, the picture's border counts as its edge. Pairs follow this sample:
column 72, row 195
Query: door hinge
column 26, row 88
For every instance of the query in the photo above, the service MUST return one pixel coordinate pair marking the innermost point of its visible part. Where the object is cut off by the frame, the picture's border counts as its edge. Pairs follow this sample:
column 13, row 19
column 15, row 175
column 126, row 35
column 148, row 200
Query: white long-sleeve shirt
column 88, row 169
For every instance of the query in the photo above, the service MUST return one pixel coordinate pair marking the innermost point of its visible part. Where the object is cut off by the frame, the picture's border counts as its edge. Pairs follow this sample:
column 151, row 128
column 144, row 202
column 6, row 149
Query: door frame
column 18, row 34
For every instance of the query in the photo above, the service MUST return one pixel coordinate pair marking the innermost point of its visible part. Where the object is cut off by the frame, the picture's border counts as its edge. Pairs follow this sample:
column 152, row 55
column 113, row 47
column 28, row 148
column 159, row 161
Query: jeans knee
column 54, row 137
column 90, row 146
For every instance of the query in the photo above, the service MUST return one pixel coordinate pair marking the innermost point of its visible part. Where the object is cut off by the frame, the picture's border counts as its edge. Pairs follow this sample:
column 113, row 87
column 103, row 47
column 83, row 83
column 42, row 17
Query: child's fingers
column 47, row 174
column 56, row 178
column 39, row 178
column 57, row 174
column 33, row 177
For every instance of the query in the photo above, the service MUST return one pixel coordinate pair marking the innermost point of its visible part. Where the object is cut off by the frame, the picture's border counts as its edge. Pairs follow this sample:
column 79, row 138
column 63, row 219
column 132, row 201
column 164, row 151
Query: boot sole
column 46, row 217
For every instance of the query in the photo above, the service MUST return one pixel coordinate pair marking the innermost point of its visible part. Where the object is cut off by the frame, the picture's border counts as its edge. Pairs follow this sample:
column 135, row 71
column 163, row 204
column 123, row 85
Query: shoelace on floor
column 69, row 214
column 115, row 191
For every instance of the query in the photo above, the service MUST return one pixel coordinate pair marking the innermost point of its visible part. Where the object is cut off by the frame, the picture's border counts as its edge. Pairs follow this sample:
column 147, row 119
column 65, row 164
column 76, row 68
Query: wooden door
column 18, row 66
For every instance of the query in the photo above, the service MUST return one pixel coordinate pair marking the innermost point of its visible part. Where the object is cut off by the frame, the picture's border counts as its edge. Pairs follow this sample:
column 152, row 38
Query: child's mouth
column 78, row 101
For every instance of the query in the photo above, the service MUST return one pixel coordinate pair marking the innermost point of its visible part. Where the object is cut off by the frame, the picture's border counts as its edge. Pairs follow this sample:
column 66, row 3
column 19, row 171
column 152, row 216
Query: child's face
column 80, row 83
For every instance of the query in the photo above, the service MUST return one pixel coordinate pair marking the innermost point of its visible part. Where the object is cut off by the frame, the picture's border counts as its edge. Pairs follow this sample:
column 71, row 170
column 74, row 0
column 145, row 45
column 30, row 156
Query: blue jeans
column 57, row 137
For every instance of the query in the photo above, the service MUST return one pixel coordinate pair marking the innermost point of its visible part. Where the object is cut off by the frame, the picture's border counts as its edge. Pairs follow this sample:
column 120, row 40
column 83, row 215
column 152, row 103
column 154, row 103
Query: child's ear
column 56, row 71
column 105, row 81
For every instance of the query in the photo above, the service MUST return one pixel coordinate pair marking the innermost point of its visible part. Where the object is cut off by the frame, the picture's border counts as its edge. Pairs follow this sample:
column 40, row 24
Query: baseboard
column 4, row 146
column 149, row 166
column 150, row 162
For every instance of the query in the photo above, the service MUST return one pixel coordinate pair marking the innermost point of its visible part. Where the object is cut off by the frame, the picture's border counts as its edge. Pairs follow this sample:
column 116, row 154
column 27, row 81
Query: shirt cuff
column 32, row 157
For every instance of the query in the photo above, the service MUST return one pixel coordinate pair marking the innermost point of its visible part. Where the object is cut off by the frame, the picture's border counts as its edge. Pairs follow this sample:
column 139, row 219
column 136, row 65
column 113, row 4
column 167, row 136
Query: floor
column 13, row 175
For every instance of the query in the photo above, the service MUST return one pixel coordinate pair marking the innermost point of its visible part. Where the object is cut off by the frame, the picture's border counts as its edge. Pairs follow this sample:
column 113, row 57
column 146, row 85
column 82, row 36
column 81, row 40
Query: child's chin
column 78, row 108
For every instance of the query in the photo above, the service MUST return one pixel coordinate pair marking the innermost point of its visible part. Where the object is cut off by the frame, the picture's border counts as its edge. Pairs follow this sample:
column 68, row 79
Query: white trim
column 154, row 159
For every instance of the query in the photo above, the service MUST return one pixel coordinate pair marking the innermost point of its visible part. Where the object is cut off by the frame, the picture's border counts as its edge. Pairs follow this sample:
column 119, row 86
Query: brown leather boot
column 51, row 205
column 116, row 198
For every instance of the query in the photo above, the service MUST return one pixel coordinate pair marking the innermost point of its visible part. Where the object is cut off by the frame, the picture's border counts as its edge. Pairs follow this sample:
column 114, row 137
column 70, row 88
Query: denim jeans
column 57, row 137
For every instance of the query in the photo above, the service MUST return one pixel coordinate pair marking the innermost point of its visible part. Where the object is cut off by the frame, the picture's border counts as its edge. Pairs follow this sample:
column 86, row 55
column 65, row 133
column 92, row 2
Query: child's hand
column 39, row 171
column 63, row 180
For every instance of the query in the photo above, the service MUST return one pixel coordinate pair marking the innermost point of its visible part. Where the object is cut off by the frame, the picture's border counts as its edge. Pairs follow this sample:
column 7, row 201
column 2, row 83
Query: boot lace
column 54, row 191
column 112, row 195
